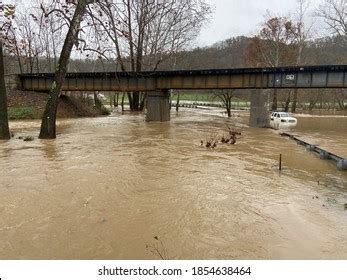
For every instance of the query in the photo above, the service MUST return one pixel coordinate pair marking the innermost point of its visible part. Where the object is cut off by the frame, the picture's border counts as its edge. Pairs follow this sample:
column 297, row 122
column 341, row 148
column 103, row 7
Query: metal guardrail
column 341, row 163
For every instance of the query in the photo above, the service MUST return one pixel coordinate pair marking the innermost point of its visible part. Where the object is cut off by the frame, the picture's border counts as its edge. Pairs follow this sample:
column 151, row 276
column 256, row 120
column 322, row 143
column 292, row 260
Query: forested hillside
column 231, row 53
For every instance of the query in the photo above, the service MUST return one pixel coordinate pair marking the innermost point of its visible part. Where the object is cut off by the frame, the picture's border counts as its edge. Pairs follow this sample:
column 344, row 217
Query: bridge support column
column 259, row 112
column 158, row 106
column 13, row 82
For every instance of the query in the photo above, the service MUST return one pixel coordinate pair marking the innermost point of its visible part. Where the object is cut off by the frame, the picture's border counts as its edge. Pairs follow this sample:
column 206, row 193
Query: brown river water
column 120, row 188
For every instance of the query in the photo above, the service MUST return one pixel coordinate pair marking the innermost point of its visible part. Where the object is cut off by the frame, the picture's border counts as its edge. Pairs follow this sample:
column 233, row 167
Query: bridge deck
column 332, row 76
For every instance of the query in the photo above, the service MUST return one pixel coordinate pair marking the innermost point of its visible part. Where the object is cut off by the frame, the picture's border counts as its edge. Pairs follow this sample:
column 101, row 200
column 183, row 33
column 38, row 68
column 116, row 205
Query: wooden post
column 280, row 163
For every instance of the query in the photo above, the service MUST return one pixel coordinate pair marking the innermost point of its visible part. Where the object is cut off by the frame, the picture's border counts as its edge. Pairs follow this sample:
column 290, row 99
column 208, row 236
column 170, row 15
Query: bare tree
column 138, row 34
column 340, row 97
column 302, row 36
column 48, row 124
column 32, row 35
column 334, row 13
column 50, row 32
column 26, row 41
column 272, row 47
column 225, row 97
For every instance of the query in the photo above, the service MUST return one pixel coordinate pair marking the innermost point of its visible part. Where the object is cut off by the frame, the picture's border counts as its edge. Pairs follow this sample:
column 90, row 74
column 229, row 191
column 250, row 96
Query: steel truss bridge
column 327, row 76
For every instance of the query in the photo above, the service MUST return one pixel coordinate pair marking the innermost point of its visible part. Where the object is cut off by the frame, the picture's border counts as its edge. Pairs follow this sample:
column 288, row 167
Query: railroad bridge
column 157, row 84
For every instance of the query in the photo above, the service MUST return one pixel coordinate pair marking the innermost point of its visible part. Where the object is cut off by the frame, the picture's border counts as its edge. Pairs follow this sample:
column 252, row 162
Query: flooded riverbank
column 107, row 186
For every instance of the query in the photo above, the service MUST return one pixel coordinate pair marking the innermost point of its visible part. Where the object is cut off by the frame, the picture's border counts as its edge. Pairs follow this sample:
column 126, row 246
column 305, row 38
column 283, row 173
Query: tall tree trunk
column 130, row 99
column 115, row 99
column 111, row 97
column 4, row 129
column 37, row 63
column 295, row 100
column 227, row 104
column 130, row 38
column 18, row 54
column 229, row 112
column 123, row 102
column 95, row 95
column 48, row 124
column 274, row 101
column 143, row 101
column 286, row 107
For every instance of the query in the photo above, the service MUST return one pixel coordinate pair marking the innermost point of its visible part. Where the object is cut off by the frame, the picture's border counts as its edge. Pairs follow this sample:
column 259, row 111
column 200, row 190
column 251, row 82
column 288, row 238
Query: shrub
column 18, row 113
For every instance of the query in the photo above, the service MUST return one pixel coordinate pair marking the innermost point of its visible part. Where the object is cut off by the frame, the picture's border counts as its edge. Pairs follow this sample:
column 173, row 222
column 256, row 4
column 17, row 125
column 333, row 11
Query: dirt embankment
column 30, row 105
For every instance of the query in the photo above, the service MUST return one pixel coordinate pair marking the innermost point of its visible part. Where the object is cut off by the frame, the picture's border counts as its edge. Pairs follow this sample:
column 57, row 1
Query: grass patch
column 20, row 113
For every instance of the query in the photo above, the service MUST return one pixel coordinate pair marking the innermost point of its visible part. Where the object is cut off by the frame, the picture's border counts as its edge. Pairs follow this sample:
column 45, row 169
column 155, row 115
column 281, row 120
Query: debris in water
column 28, row 138
column 214, row 139
column 158, row 248
column 232, row 140
column 87, row 201
column 331, row 200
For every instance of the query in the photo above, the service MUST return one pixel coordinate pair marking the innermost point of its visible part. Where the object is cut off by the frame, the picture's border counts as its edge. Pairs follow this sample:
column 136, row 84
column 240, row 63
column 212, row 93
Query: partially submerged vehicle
column 282, row 120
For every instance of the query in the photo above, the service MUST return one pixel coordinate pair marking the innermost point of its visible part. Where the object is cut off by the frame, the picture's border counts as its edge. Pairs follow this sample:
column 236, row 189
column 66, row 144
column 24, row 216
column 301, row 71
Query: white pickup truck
column 282, row 120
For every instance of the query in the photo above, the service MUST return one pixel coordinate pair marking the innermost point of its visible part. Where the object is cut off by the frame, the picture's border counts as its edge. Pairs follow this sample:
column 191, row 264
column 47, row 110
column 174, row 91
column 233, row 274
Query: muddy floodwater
column 117, row 188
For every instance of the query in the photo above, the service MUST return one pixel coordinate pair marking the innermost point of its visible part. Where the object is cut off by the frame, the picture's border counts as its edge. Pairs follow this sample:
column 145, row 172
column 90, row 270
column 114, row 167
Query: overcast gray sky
column 243, row 17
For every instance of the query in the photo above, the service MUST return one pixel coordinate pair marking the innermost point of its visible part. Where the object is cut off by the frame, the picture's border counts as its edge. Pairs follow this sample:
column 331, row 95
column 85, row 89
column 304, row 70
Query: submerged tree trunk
column 123, row 102
column 4, row 129
column 111, row 97
column 178, row 102
column 136, row 101
column 229, row 112
column 227, row 104
column 295, row 100
column 143, row 101
column 115, row 99
column 95, row 97
column 286, row 107
column 48, row 124
column 130, row 100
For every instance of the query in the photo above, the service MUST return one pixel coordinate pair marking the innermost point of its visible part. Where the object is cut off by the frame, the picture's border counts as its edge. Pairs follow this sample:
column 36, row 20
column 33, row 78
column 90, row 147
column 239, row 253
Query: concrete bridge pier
column 158, row 106
column 259, row 109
